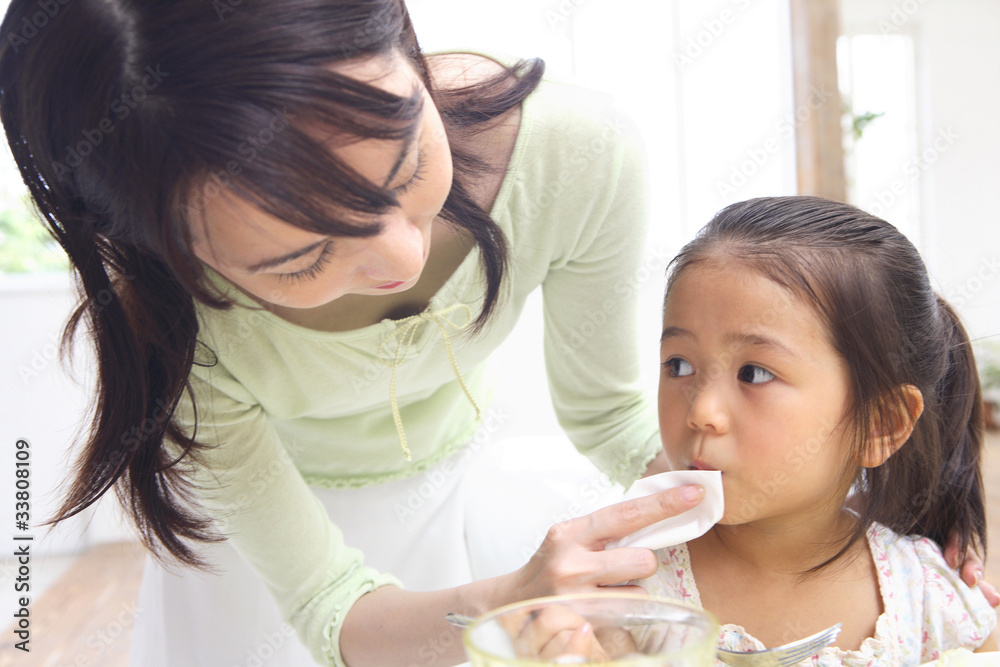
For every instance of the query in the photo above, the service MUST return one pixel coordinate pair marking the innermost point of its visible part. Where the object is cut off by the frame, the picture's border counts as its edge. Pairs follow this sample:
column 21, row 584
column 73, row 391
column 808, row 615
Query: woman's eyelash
column 324, row 256
column 312, row 271
column 418, row 175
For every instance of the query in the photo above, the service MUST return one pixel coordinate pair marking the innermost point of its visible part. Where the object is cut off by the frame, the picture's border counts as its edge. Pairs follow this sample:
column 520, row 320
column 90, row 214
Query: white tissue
column 683, row 527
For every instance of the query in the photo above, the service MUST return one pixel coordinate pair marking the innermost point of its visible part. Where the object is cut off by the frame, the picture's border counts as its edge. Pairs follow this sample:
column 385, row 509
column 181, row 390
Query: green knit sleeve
column 597, row 216
column 247, row 482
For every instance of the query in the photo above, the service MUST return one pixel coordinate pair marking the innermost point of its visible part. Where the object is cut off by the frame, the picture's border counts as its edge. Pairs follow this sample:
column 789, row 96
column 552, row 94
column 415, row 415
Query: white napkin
column 683, row 527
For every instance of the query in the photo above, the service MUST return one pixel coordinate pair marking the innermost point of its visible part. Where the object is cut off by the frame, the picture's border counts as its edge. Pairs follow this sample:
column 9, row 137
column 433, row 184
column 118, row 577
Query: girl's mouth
column 390, row 285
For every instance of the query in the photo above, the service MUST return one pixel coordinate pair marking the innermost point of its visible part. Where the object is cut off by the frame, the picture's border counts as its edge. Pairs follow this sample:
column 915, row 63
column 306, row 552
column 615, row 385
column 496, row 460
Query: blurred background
column 888, row 104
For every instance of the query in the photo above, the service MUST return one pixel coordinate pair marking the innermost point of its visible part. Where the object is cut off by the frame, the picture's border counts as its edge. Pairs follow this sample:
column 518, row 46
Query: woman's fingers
column 541, row 627
column 616, row 521
column 581, row 646
column 554, row 632
column 971, row 568
column 990, row 593
column 573, row 559
column 616, row 566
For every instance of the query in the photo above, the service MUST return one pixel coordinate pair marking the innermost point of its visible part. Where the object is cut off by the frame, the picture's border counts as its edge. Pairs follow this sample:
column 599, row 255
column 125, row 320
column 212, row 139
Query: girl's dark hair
column 124, row 115
column 870, row 287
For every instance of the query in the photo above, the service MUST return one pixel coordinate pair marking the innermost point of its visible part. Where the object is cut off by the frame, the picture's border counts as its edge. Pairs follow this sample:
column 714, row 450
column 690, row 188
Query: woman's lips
column 390, row 285
column 699, row 465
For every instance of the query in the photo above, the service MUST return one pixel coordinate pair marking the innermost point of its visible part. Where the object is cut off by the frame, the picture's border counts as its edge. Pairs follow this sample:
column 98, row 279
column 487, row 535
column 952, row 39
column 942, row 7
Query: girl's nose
column 397, row 252
column 707, row 409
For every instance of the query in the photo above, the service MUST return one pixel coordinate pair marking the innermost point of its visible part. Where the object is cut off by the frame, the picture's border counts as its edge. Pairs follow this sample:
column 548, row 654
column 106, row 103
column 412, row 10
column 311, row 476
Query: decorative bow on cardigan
column 406, row 331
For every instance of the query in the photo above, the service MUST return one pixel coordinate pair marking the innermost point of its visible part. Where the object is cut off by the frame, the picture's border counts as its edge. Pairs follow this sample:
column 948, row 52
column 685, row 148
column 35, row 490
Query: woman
column 283, row 216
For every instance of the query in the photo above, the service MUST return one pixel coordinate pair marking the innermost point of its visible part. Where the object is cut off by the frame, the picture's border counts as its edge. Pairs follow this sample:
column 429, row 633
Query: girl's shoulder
column 922, row 591
column 673, row 578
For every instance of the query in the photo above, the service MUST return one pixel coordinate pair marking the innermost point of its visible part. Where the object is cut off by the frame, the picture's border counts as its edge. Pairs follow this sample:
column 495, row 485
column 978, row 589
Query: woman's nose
column 397, row 252
column 707, row 408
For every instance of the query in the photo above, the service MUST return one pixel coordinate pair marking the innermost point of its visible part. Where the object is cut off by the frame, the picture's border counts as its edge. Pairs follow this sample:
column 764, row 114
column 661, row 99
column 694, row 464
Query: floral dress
column 927, row 608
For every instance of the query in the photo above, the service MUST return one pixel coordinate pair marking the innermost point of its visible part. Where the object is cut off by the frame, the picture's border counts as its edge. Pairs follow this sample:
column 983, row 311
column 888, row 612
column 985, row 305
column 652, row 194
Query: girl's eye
column 314, row 270
column 754, row 374
column 418, row 175
column 677, row 367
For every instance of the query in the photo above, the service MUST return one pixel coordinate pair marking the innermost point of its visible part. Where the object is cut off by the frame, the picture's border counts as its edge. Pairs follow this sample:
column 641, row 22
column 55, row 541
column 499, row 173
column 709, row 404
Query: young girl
column 805, row 356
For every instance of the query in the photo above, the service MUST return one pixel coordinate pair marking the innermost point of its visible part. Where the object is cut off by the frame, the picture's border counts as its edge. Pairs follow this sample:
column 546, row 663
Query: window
column 883, row 167
column 25, row 246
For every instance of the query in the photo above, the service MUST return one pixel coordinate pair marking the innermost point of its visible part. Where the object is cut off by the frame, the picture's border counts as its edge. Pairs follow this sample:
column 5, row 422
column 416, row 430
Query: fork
column 784, row 655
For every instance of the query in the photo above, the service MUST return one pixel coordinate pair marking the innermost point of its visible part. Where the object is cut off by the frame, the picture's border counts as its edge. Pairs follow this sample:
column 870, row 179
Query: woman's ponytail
column 143, row 327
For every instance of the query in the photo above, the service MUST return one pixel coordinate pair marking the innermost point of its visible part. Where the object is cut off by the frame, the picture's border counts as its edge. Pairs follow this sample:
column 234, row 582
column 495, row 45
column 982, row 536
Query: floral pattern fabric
column 927, row 609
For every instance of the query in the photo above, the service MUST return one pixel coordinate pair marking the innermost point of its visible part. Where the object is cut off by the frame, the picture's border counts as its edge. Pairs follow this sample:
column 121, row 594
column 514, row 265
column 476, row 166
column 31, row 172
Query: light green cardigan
column 289, row 407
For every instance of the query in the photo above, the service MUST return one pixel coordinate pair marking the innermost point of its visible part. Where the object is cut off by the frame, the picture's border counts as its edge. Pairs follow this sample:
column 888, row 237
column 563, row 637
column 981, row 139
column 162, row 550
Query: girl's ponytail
column 956, row 503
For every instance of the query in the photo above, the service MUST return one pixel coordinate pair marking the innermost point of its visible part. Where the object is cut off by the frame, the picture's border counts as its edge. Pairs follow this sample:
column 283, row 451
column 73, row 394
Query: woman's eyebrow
column 278, row 261
column 404, row 152
column 408, row 141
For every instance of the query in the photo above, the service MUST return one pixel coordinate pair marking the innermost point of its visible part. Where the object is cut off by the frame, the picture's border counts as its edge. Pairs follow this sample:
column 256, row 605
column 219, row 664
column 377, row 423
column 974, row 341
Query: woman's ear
column 889, row 434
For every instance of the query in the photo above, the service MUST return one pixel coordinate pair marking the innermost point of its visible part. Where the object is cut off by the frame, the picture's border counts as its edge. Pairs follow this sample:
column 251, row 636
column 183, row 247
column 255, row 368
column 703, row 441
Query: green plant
column 856, row 123
column 25, row 246
column 988, row 362
column 861, row 121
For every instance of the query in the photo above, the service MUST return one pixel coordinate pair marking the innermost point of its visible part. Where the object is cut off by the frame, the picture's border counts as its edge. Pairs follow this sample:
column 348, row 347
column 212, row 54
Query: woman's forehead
column 392, row 72
column 228, row 219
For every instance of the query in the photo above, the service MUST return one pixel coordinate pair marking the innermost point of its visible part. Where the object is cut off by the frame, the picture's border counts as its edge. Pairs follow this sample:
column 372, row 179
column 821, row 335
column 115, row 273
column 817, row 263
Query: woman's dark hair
column 871, row 289
column 123, row 115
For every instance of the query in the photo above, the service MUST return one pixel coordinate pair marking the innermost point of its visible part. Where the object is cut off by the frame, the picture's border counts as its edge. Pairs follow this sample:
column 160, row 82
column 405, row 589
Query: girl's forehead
column 714, row 283
column 718, row 294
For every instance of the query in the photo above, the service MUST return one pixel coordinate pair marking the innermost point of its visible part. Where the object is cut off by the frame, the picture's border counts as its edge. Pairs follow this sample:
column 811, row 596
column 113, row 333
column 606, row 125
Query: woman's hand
column 553, row 633
column 972, row 568
column 572, row 559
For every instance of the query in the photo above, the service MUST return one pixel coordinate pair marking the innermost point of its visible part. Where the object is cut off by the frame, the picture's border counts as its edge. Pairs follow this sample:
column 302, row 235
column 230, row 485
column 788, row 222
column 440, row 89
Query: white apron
column 484, row 517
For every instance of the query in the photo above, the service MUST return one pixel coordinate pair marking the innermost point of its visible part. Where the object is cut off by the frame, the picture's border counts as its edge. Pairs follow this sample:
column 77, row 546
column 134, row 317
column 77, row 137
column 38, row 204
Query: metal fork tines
column 782, row 656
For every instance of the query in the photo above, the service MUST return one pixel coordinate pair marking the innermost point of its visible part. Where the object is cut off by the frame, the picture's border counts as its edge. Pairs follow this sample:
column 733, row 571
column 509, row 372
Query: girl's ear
column 889, row 434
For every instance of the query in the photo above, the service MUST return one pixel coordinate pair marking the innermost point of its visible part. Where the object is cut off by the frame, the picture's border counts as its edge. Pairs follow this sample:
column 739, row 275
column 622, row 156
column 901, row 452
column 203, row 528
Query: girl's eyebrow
column 757, row 340
column 675, row 332
column 278, row 261
column 744, row 339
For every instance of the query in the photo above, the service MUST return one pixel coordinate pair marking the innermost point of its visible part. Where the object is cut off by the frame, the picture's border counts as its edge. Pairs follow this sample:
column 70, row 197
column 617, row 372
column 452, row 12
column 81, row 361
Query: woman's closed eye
column 752, row 374
column 677, row 367
column 314, row 270
column 418, row 175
